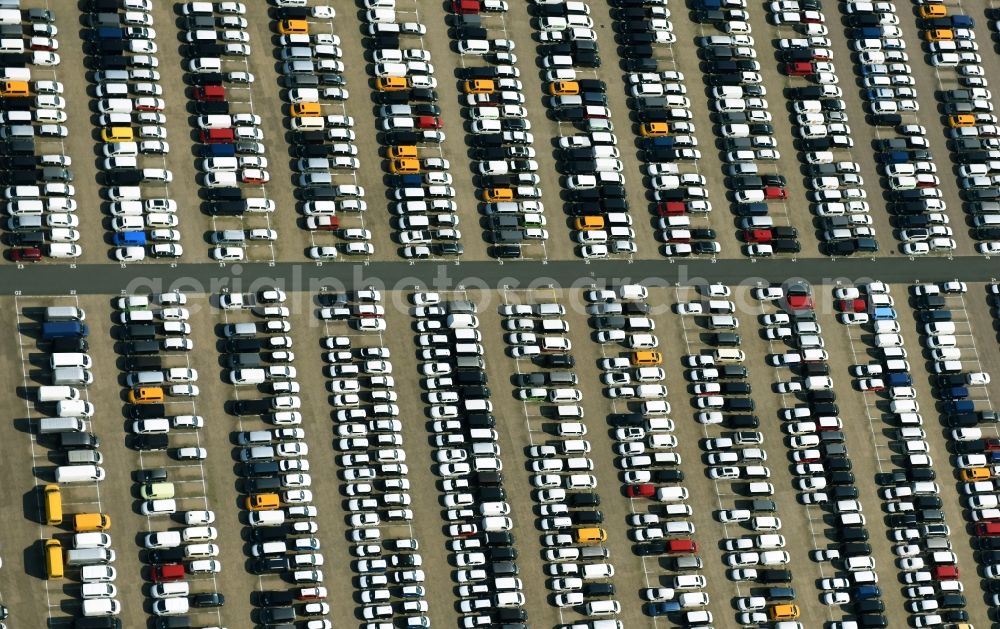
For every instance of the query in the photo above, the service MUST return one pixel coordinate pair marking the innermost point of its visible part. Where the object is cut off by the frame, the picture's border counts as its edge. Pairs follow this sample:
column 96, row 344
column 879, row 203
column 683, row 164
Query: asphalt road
column 108, row 279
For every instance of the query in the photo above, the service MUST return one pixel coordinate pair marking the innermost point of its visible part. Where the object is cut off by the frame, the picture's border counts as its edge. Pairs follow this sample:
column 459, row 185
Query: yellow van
column 391, row 84
column 654, row 129
column 645, row 359
column 785, row 611
column 973, row 474
column 498, row 194
column 302, row 110
column 90, row 522
column 962, row 120
column 564, row 88
column 594, row 535
column 53, row 559
column 293, row 27
column 263, row 502
column 402, row 152
column 404, row 166
column 14, row 88
column 117, row 134
column 587, row 223
column 939, row 34
column 53, row 505
column 145, row 395
column 479, row 86
column 932, row 11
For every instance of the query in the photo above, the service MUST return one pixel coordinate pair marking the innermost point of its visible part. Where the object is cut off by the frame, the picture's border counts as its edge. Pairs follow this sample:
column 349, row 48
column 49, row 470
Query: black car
column 269, row 564
column 153, row 475
column 583, row 500
column 276, row 598
column 262, row 534
column 503, row 553
column 207, row 599
column 165, row 555
column 554, row 361
column 250, row 407
column 69, row 344
column 150, row 442
column 145, row 411
column 587, row 517
column 650, row 548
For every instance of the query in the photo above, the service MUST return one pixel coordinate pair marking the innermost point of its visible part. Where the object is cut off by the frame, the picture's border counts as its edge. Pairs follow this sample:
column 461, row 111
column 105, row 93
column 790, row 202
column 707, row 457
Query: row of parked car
column 409, row 125
column 659, row 100
column 720, row 390
column 910, row 174
column 971, row 121
column 323, row 146
column 65, row 424
column 374, row 471
column 274, row 467
column 961, row 399
column 499, row 168
column 189, row 549
column 230, row 148
column 741, row 113
column 836, row 188
column 821, row 465
column 589, row 161
column 39, row 192
column 128, row 98
column 565, row 490
column 467, row 461
column 644, row 444
column 910, row 491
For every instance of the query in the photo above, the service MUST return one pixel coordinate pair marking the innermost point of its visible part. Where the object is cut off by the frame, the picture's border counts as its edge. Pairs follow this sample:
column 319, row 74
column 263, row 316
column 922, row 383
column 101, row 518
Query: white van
column 91, row 540
column 170, row 589
column 602, row 608
column 655, row 407
column 723, row 322
column 102, row 607
column 266, row 518
column 595, row 571
column 70, row 359
column 57, row 393
column 98, row 574
column 79, row 473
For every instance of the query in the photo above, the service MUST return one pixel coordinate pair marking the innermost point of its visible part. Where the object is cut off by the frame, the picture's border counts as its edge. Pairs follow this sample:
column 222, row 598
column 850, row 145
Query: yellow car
column 654, row 129
column 391, row 84
column 293, row 27
column 961, row 120
column 564, row 88
column 479, row 86
column 303, row 110
column 498, row 194
column 932, row 11
column 117, row 134
column 939, row 34
column 404, row 166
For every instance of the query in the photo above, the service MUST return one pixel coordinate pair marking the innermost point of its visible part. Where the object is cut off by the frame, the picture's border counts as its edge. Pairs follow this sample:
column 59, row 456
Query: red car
column 798, row 68
column 988, row 529
column 167, row 572
column 800, row 302
column 757, row 235
column 992, row 445
column 645, row 490
column 850, row 305
column 210, row 93
column 428, row 122
column 945, row 573
column 682, row 546
column 775, row 192
column 670, row 208
column 26, row 254
column 465, row 7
